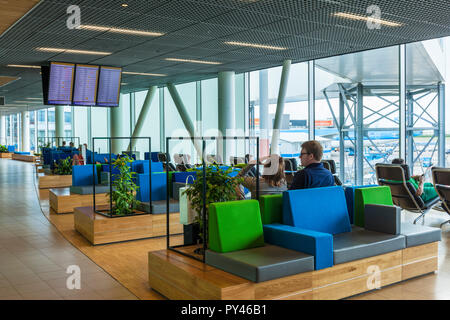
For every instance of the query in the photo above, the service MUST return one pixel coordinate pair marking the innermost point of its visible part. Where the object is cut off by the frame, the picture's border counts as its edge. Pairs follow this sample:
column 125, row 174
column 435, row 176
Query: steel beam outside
column 311, row 99
column 441, row 121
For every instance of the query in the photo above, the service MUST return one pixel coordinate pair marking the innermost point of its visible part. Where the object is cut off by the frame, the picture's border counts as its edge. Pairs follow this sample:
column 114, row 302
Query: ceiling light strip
column 254, row 45
column 22, row 66
column 120, row 30
column 364, row 18
column 144, row 74
column 60, row 50
column 192, row 61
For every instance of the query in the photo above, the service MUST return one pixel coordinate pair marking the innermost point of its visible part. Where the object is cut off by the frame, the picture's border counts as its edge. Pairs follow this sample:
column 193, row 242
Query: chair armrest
column 318, row 244
column 382, row 218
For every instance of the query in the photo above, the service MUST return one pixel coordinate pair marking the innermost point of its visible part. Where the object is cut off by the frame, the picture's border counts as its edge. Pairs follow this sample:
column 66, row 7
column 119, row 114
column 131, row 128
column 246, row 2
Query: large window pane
column 99, row 127
column 81, row 124
column 151, row 127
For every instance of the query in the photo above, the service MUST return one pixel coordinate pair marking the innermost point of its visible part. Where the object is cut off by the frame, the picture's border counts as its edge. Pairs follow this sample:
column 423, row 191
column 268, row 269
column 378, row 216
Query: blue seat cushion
column 361, row 243
column 262, row 263
column 317, row 209
column 184, row 177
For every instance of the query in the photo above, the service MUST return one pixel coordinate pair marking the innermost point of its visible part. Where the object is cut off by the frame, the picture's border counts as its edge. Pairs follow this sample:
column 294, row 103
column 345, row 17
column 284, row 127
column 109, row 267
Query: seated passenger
column 425, row 190
column 273, row 180
column 314, row 175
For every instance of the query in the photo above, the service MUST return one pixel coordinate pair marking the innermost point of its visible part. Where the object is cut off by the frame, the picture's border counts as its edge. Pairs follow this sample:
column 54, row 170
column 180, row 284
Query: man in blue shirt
column 314, row 175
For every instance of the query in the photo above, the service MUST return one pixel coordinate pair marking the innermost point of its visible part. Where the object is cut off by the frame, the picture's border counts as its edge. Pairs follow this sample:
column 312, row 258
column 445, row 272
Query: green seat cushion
column 373, row 195
column 271, row 208
column 235, row 225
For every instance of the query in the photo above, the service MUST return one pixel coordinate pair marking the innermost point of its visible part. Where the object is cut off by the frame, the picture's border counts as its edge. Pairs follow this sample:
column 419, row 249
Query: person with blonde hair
column 272, row 181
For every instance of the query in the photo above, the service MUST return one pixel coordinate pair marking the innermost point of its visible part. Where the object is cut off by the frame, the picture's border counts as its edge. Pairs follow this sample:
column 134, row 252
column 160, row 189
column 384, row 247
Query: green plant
column 220, row 187
column 3, row 149
column 123, row 195
column 64, row 167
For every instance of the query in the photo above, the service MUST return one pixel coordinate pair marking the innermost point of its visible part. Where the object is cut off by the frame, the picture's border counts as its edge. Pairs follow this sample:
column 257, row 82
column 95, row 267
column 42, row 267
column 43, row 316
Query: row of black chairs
column 404, row 195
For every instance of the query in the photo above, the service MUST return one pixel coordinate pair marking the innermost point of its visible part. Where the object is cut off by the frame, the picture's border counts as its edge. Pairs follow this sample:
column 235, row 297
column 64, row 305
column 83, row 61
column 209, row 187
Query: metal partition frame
column 109, row 139
column 205, row 234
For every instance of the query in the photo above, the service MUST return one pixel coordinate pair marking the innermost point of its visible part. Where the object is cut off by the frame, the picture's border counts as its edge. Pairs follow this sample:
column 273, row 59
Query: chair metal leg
column 422, row 215
column 444, row 223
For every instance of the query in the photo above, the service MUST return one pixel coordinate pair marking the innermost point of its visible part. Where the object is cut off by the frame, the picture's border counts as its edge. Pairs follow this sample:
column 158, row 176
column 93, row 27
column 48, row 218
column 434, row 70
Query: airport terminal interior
column 138, row 141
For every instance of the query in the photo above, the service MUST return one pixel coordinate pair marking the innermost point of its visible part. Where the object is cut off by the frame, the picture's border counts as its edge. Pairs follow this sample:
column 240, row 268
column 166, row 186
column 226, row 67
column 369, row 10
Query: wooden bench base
column 5, row 155
column 98, row 229
column 54, row 181
column 179, row 277
column 62, row 201
column 23, row 157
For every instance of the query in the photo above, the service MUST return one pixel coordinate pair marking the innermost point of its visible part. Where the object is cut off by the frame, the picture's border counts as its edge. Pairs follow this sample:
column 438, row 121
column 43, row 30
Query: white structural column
column 142, row 116
column 59, row 124
column 280, row 107
column 227, row 113
column 117, row 128
column 264, row 112
column 2, row 129
column 25, row 134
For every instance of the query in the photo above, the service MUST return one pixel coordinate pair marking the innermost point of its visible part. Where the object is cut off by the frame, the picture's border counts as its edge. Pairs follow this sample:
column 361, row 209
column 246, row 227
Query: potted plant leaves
column 124, row 189
column 63, row 167
column 3, row 149
column 220, row 187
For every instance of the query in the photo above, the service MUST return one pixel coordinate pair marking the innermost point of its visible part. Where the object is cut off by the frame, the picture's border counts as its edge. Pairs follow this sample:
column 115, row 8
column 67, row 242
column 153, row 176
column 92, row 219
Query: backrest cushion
column 350, row 198
column 271, row 207
column 318, row 209
column 235, row 225
column 159, row 189
column 373, row 195
column 83, row 175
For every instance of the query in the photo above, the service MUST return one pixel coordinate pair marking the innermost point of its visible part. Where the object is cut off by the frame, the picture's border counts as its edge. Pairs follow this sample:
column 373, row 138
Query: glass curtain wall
column 151, row 127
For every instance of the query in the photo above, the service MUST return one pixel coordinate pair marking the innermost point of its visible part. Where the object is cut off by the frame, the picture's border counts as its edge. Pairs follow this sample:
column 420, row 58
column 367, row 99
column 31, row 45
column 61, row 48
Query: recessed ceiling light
column 124, row 5
column 254, row 45
column 60, row 50
column 144, row 74
column 192, row 61
column 22, row 66
column 120, row 30
column 365, row 18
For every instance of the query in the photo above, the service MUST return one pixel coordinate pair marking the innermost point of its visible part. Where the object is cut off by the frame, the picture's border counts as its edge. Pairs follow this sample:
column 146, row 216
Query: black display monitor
column 109, row 87
column 60, row 83
column 85, row 87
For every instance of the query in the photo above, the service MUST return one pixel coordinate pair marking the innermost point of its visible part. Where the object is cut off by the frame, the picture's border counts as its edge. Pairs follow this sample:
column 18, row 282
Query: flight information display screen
column 61, row 83
column 85, row 89
column 109, row 87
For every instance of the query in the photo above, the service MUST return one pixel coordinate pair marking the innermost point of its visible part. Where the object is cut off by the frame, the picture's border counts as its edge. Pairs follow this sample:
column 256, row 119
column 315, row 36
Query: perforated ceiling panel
column 199, row 30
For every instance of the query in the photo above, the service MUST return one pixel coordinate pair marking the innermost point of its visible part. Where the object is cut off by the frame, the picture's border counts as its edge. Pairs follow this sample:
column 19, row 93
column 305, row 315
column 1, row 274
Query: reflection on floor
column 34, row 255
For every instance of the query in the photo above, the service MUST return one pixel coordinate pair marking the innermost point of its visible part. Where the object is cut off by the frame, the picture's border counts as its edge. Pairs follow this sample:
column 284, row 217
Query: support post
column 142, row 116
column 264, row 112
column 59, row 124
column 441, row 121
column 227, row 113
column 359, row 152
column 311, row 100
column 25, row 134
column 162, row 125
column 402, row 83
column 341, row 138
column 117, row 127
column 2, row 129
column 184, row 116
column 280, row 107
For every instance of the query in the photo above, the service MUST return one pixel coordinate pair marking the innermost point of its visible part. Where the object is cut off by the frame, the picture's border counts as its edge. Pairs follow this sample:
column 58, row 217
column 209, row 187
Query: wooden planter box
column 54, row 181
column 62, row 201
column 98, row 229
column 180, row 277
column 23, row 157
column 5, row 155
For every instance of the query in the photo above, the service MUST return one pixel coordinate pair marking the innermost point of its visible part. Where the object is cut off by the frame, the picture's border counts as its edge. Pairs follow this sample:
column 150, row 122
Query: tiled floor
column 34, row 256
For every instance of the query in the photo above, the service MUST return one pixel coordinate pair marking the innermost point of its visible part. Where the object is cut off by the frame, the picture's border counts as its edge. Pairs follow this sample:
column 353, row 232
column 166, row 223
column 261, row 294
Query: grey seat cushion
column 261, row 264
column 417, row 235
column 89, row 189
column 160, row 207
column 360, row 244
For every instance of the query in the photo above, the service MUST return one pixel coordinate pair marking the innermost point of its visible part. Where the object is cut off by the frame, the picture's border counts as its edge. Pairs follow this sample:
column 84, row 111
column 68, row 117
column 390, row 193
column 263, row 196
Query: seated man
column 424, row 190
column 314, row 175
